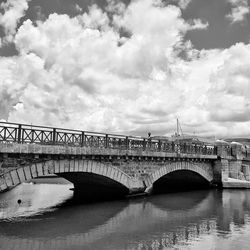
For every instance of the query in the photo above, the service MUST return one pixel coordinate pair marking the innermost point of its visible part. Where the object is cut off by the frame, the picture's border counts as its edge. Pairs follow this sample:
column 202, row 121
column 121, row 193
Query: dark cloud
column 7, row 102
column 230, row 116
column 154, row 111
column 88, row 85
column 39, row 13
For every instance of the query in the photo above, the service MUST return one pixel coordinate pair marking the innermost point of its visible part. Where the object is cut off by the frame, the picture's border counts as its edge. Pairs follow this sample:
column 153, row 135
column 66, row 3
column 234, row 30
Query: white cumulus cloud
column 240, row 9
column 13, row 11
column 129, row 70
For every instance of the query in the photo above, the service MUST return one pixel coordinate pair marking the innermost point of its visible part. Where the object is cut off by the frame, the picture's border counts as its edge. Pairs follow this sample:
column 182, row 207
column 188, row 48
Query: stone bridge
column 100, row 164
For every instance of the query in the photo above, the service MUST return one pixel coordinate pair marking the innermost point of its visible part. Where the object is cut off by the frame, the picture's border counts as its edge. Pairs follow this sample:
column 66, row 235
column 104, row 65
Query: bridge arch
column 204, row 170
column 65, row 168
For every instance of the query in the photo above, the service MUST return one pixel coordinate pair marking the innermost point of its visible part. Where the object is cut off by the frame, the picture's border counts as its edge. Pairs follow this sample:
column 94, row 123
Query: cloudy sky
column 127, row 66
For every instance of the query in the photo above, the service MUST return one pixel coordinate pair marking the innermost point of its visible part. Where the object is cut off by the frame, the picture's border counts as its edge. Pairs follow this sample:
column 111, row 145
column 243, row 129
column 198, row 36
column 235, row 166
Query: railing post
column 215, row 150
column 83, row 139
column 144, row 144
column 54, row 136
column 107, row 141
column 19, row 133
column 184, row 148
column 173, row 147
column 195, row 150
column 127, row 143
column 32, row 135
column 149, row 143
column 4, row 133
column 159, row 145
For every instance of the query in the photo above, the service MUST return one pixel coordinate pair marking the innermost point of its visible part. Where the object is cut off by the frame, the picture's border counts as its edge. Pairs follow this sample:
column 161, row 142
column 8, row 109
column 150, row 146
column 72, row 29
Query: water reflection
column 35, row 199
column 189, row 220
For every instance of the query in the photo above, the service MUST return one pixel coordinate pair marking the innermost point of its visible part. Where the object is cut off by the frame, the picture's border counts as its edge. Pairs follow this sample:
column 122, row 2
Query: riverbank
column 235, row 183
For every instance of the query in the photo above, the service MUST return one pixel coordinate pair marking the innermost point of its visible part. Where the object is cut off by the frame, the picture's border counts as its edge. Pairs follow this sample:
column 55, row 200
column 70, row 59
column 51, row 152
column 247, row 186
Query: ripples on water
column 47, row 219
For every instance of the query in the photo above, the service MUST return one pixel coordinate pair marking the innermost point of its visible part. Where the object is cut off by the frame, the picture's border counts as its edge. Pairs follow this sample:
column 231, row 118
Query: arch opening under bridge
column 91, row 186
column 180, row 180
column 91, row 179
column 180, row 176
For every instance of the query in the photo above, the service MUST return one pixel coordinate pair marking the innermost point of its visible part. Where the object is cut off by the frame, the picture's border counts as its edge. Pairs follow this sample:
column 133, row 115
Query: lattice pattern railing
column 22, row 133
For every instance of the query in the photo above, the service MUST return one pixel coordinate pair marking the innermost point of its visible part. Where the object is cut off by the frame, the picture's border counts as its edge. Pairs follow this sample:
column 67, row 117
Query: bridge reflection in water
column 170, row 220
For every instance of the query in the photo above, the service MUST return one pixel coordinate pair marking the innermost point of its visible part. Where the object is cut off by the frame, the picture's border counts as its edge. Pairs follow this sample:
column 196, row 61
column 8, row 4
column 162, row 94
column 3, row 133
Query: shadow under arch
column 93, row 187
column 181, row 180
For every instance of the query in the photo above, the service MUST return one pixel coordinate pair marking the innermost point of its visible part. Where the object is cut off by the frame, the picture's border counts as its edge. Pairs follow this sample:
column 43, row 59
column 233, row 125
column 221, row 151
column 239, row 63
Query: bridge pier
column 229, row 168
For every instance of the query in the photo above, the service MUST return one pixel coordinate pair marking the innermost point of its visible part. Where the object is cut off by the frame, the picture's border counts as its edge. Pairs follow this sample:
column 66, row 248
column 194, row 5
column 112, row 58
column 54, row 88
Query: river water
column 48, row 218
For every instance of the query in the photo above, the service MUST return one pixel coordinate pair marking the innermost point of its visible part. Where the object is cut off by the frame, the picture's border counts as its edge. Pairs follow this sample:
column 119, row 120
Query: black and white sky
column 127, row 66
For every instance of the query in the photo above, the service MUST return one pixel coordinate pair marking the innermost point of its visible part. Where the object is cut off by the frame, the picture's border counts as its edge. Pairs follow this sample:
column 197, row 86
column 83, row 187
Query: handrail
column 25, row 133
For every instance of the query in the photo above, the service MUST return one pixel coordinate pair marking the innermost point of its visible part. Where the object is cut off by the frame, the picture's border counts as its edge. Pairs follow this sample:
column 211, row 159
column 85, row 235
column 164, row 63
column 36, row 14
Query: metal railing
column 23, row 133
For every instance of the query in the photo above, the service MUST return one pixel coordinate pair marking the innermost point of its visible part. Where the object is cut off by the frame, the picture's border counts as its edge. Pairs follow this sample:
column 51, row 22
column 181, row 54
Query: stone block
column 33, row 171
column 108, row 173
column 119, row 175
column 245, row 169
column 21, row 175
column 27, row 172
column 105, row 169
column 3, row 184
column 84, row 165
column 39, row 167
column 46, row 168
column 235, row 168
column 237, row 150
column 89, row 163
column 76, row 169
column 95, row 168
column 71, row 165
column 66, row 166
column 8, row 179
column 61, row 166
column 14, row 177
column 112, row 172
column 221, row 170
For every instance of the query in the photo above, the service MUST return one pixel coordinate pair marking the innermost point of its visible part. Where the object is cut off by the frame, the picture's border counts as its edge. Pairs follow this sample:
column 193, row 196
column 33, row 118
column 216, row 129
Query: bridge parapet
column 30, row 134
